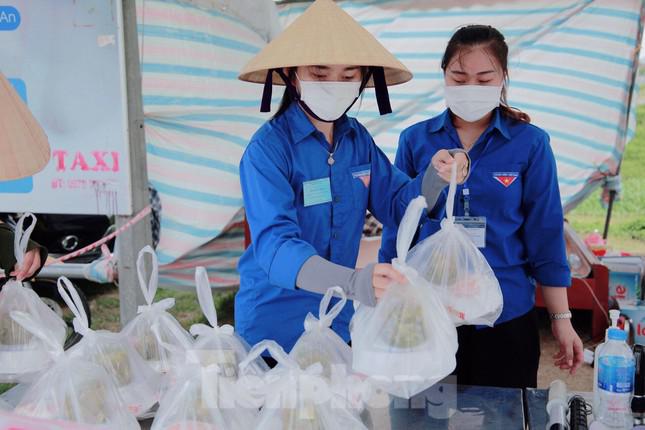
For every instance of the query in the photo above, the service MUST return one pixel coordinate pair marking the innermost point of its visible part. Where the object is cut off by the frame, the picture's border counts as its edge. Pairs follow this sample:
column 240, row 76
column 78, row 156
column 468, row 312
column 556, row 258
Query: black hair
column 495, row 44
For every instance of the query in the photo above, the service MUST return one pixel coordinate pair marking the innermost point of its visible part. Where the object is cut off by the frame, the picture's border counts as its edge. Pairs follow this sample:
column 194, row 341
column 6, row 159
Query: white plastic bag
column 319, row 343
column 407, row 342
column 73, row 388
column 216, row 344
column 202, row 398
column 138, row 384
column 298, row 399
column 458, row 271
column 22, row 354
column 139, row 330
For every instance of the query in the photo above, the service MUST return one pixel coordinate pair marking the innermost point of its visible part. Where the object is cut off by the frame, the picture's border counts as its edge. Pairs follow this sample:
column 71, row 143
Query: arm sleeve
column 318, row 275
column 438, row 190
column 432, row 188
column 271, row 213
column 543, row 228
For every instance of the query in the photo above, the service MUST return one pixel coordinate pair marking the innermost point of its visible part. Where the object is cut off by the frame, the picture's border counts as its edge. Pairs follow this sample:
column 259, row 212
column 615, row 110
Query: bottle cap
column 614, row 314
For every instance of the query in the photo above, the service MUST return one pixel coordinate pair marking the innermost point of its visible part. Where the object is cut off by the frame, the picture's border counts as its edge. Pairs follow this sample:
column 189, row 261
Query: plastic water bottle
column 615, row 386
column 614, row 314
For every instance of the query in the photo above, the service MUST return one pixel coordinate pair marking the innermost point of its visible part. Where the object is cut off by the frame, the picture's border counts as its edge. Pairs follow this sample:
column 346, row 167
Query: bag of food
column 201, row 400
column 297, row 398
column 72, row 389
column 406, row 343
column 22, row 354
column 458, row 271
column 139, row 330
column 319, row 343
column 138, row 384
column 216, row 344
column 204, row 399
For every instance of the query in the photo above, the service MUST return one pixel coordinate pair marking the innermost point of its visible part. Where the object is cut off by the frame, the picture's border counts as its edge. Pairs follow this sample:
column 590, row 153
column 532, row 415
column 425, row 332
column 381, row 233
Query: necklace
column 331, row 160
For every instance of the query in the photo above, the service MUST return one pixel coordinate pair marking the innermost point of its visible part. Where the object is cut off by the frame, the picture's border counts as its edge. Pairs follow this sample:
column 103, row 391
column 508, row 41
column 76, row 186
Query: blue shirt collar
column 301, row 127
column 443, row 121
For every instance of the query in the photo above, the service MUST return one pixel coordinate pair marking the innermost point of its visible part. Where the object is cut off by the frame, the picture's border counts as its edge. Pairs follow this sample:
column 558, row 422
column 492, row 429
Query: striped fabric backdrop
column 198, row 117
column 571, row 67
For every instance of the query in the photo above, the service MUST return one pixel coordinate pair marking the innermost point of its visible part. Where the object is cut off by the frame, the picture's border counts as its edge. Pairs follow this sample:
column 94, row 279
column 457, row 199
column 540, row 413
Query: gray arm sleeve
column 317, row 275
column 432, row 184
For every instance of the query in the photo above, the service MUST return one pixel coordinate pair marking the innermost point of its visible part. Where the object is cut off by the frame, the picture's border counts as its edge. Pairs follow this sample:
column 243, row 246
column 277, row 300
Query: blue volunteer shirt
column 284, row 154
column 513, row 183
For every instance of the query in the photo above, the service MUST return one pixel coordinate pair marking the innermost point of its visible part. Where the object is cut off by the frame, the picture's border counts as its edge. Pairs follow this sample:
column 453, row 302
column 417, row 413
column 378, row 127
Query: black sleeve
column 7, row 256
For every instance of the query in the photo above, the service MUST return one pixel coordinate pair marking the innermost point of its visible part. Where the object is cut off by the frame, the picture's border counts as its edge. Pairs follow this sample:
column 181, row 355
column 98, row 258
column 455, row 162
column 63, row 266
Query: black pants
column 507, row 355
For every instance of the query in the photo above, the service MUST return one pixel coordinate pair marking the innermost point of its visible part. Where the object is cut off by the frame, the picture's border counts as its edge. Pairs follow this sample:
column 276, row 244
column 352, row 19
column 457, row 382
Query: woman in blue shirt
column 513, row 188
column 310, row 174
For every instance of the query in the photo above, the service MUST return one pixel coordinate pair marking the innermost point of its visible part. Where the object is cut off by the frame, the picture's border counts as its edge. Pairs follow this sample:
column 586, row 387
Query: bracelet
column 561, row 316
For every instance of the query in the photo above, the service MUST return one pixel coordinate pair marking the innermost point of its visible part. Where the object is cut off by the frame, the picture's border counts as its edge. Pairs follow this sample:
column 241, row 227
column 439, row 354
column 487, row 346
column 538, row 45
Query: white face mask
column 472, row 102
column 329, row 100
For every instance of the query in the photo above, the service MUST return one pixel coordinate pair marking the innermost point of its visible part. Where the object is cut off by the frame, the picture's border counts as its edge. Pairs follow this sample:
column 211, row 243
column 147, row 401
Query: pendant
column 330, row 160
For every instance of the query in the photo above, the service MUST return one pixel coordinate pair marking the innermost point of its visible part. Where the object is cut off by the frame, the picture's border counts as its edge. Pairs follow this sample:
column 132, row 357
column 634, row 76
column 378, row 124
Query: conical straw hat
column 24, row 149
column 324, row 35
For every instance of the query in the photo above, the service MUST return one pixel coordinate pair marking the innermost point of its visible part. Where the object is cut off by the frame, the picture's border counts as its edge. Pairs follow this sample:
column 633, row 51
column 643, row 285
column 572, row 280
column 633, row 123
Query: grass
column 104, row 306
column 627, row 227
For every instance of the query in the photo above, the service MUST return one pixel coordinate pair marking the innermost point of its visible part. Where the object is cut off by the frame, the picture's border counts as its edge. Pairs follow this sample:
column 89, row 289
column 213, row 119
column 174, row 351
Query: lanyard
column 465, row 189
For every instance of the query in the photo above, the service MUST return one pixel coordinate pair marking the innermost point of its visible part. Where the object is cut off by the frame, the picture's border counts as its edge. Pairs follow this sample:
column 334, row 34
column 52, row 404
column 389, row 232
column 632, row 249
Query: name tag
column 317, row 192
column 475, row 227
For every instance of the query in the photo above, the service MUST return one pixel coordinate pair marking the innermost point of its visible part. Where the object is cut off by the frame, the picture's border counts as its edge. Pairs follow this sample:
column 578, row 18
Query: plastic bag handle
column 169, row 347
column 149, row 289
column 452, row 190
column 38, row 330
column 408, row 226
column 21, row 237
column 274, row 349
column 75, row 304
column 205, row 296
column 325, row 317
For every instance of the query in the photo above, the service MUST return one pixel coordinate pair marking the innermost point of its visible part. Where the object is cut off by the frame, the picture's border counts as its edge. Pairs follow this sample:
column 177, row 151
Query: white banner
column 65, row 59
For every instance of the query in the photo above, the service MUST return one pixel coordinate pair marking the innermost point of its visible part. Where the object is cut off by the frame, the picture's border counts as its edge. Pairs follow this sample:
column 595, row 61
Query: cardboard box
column 636, row 313
column 625, row 278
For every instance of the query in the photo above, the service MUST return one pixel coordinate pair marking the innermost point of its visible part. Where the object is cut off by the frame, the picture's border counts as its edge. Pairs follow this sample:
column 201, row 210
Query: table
column 536, row 415
column 450, row 406
column 447, row 406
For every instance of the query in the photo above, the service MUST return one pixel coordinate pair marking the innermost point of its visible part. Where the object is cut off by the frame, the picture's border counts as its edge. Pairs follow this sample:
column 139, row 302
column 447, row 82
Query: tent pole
column 635, row 64
column 139, row 235
column 610, row 206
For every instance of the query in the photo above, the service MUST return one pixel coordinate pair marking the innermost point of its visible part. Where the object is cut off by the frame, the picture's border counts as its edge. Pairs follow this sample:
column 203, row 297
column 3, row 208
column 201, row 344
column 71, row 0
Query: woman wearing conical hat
column 310, row 174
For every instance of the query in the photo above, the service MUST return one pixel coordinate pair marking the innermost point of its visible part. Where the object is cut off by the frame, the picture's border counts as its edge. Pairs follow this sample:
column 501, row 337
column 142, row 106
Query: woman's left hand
column 571, row 354
column 30, row 265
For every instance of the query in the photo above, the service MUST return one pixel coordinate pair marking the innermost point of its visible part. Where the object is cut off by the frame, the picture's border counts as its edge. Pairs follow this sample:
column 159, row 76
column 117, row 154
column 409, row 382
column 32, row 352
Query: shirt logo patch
column 505, row 178
column 364, row 176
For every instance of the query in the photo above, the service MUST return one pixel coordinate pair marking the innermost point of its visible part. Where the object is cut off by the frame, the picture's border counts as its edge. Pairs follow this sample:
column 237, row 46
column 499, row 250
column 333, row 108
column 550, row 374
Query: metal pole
column 610, row 206
column 635, row 63
column 139, row 235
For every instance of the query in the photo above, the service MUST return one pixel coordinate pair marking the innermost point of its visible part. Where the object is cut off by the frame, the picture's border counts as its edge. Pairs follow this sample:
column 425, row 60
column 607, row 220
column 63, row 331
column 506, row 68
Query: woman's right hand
column 442, row 161
column 383, row 277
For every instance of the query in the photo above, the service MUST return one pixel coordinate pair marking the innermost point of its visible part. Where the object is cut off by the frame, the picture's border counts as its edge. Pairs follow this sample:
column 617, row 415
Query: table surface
column 536, row 415
column 447, row 406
